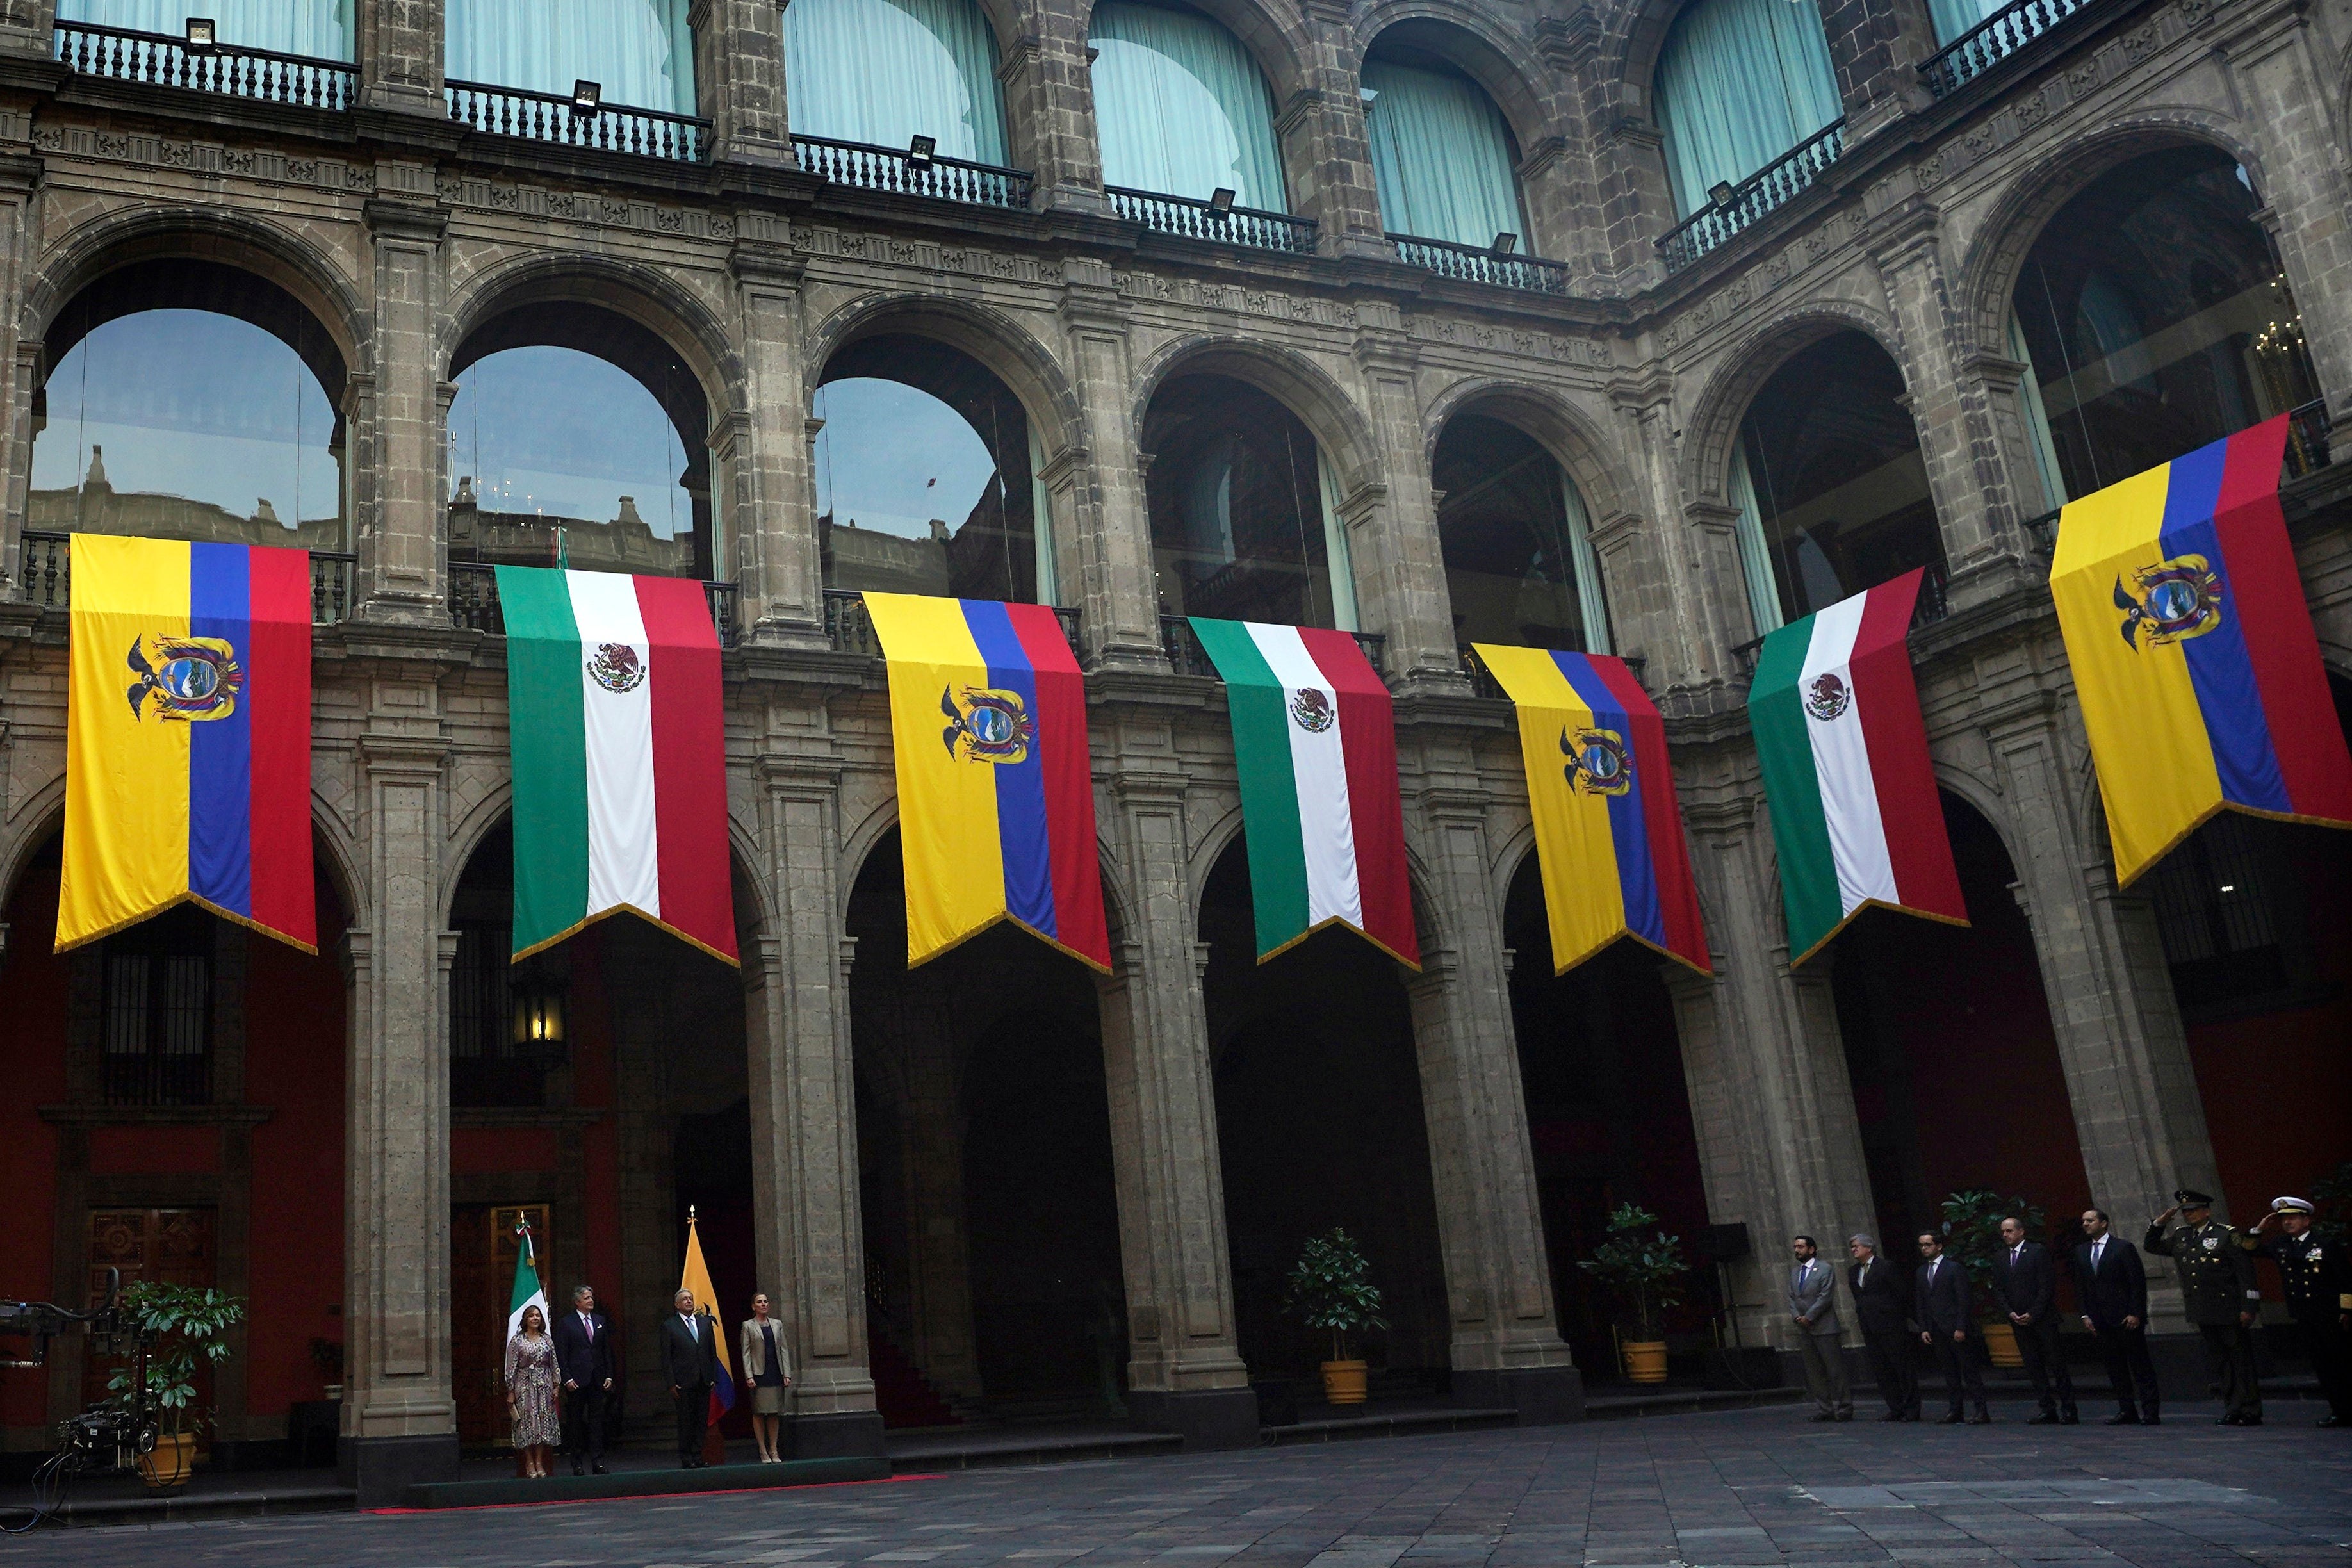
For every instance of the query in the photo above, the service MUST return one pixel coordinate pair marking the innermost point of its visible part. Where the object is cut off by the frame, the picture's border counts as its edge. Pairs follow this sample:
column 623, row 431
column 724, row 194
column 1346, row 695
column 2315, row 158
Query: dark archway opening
column 1519, row 566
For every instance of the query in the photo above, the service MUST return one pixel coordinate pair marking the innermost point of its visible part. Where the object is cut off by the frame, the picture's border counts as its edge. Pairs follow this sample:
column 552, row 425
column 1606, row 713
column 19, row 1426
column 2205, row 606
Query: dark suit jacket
column 1942, row 1309
column 577, row 1359
column 2028, row 1286
column 1884, row 1302
column 689, row 1359
column 2118, row 1290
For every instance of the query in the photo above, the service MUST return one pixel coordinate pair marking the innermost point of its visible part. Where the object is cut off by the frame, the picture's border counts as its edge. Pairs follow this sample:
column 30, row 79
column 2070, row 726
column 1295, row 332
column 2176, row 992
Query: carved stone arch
column 467, row 837
column 744, row 860
column 1981, row 795
column 1578, row 443
column 1275, row 36
column 345, row 858
column 1207, row 850
column 39, row 816
column 1714, row 421
column 1468, row 37
column 1630, row 60
column 1513, row 852
column 1433, row 929
column 1996, row 256
column 1341, row 428
column 1009, row 352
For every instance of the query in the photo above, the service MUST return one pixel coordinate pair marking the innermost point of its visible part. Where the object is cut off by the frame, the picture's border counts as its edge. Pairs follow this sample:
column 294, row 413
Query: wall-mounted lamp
column 539, row 1021
column 1506, row 242
column 921, row 151
column 587, row 97
column 203, row 37
column 1719, row 193
column 1221, row 203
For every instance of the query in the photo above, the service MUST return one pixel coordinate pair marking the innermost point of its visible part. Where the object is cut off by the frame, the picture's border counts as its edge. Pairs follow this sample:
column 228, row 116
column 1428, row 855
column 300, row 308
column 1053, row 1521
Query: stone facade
column 402, row 232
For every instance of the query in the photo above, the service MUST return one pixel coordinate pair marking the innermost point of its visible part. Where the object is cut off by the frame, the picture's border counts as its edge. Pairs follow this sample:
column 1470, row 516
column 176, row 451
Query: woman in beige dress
column 768, row 1367
column 530, row 1393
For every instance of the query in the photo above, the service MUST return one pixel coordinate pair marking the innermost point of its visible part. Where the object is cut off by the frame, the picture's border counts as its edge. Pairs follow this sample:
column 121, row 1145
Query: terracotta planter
column 2001, row 1343
column 1343, row 1382
column 166, row 1470
column 1645, row 1360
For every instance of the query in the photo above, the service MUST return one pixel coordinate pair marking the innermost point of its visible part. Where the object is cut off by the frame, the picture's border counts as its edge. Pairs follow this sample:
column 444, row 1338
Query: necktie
column 589, row 1324
column 2099, row 1249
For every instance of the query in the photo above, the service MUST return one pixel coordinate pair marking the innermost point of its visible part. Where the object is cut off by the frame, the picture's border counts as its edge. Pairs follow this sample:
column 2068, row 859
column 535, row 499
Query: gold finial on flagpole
column 689, row 1214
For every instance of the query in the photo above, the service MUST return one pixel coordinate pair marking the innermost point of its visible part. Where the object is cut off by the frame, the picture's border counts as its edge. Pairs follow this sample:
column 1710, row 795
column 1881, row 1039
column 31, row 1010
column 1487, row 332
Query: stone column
column 1506, row 1349
column 400, row 57
column 763, row 451
column 1875, row 47
column 399, row 1417
column 1682, row 606
column 1392, row 516
column 1049, row 109
column 398, row 483
column 1327, row 153
column 1184, row 1370
column 1114, row 585
column 1558, row 179
column 19, row 175
column 739, row 71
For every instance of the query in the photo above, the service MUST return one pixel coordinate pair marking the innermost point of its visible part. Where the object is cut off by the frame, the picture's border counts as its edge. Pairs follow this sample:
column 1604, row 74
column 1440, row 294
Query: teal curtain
column 1337, row 556
column 1441, row 156
column 1738, row 83
column 320, row 29
column 1954, row 17
column 1180, row 109
column 1592, row 603
column 1755, row 555
column 2037, row 420
column 641, row 52
column 885, row 71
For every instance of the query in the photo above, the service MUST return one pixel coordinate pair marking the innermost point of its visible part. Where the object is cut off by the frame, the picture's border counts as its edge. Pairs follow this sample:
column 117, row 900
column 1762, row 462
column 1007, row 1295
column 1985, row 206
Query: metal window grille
column 156, row 1028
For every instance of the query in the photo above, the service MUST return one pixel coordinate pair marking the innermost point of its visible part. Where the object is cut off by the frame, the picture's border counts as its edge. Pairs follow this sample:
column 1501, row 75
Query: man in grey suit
column 1813, row 1301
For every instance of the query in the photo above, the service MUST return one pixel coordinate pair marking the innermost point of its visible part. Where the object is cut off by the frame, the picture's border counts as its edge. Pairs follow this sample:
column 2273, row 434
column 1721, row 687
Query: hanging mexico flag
column 2193, row 654
column 187, row 737
column 620, row 762
column 996, row 796
column 1855, row 817
column 1315, row 739
column 1609, row 831
column 528, row 1291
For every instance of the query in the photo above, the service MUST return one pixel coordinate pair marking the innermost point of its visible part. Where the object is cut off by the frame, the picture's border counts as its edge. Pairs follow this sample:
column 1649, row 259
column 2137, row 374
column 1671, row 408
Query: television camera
column 111, row 1435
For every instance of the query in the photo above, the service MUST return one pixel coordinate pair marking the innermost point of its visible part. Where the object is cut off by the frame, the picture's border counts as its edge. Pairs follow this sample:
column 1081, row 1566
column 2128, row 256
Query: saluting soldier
column 2318, row 1281
column 2219, row 1294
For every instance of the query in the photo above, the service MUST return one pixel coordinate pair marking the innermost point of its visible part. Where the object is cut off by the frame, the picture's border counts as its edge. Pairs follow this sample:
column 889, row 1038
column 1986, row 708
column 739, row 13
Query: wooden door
column 483, row 1247
column 162, row 1246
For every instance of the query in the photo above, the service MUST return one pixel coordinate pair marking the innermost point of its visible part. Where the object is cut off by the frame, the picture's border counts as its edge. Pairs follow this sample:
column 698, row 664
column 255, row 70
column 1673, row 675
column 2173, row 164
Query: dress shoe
column 1822, row 1416
column 1954, row 1420
column 2151, row 1420
column 2127, row 1418
column 598, row 1466
column 575, row 1467
column 1845, row 1414
column 2332, row 1421
column 2068, row 1418
column 2047, row 1418
column 2249, row 1420
column 2225, row 1421
column 1897, row 1415
column 1983, row 1418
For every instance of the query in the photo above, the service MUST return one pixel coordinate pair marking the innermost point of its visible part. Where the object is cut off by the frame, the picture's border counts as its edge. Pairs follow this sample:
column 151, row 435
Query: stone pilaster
column 1049, row 109
column 20, row 361
column 397, row 409
column 1398, row 562
column 1115, row 585
column 25, row 25
column 400, row 56
column 739, row 72
column 1875, row 47
column 1684, row 607
column 1558, row 183
column 762, row 449
column 1327, row 153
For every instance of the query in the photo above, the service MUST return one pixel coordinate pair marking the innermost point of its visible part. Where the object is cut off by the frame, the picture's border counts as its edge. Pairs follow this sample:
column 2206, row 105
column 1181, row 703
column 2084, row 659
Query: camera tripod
column 110, row 1436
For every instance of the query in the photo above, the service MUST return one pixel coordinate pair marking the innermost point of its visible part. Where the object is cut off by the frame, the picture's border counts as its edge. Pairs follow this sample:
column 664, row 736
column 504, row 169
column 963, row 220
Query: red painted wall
column 32, row 1022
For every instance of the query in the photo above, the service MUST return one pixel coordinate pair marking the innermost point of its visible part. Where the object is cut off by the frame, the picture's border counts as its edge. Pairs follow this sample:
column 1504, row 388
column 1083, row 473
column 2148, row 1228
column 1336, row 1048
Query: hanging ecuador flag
column 996, row 799
column 1315, row 740
column 619, row 757
column 1609, row 832
column 695, row 1279
column 2193, row 654
column 187, row 737
column 1855, row 817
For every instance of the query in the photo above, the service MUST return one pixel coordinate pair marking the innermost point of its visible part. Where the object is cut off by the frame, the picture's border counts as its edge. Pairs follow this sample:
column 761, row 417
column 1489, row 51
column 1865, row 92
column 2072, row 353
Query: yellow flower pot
column 1343, row 1382
column 1645, row 1360
column 2001, row 1343
column 167, row 1468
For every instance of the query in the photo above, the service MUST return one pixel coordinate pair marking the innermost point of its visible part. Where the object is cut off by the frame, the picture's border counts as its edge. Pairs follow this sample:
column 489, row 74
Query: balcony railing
column 1774, row 186
column 1474, row 265
column 1191, row 219
column 1993, row 41
column 159, row 59
column 1187, row 657
column 1925, row 611
column 850, row 629
column 607, row 128
column 895, row 169
column 2307, row 452
column 48, row 577
column 474, row 602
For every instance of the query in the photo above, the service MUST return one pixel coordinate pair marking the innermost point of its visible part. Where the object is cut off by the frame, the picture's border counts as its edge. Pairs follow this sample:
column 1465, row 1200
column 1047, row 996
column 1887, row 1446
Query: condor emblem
column 187, row 679
column 985, row 725
column 1597, row 763
column 2178, row 599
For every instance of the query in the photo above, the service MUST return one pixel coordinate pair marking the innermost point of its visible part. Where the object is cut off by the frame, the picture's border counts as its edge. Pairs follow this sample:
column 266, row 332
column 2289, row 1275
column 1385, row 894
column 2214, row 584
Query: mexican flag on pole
column 1315, row 740
column 528, row 1291
column 1856, row 819
column 619, row 757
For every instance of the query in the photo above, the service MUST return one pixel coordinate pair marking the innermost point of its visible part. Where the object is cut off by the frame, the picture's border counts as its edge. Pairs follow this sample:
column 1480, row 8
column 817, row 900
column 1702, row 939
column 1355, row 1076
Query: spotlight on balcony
column 587, row 97
column 921, row 151
column 1221, row 203
column 202, row 36
column 1719, row 193
column 1506, row 242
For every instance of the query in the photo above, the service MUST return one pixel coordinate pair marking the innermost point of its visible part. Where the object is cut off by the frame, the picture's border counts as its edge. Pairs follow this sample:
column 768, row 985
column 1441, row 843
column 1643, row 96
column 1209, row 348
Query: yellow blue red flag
column 187, row 737
column 2193, row 654
column 695, row 1279
column 996, row 801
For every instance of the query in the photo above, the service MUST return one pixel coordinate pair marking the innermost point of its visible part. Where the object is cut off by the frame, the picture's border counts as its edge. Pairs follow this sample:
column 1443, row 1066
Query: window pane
column 320, row 29
column 1181, row 106
column 1503, row 525
column 1738, row 83
column 186, row 1002
column 126, row 1003
column 885, row 71
column 1442, row 155
column 641, row 52
column 1235, row 500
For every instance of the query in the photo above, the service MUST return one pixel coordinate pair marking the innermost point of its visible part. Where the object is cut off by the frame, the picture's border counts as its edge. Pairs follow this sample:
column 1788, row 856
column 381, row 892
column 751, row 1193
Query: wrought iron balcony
column 48, row 577
column 159, row 59
column 474, row 601
column 606, row 127
column 1993, row 41
column 1187, row 657
column 850, row 629
column 1472, row 264
column 1735, row 207
column 896, row 169
column 1192, row 219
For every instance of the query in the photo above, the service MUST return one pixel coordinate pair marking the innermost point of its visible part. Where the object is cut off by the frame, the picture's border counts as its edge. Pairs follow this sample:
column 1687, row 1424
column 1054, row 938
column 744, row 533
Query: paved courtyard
column 1749, row 1487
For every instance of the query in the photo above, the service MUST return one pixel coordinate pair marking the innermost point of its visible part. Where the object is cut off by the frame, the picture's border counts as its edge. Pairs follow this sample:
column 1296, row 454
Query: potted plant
column 182, row 1325
column 1331, row 1290
column 327, row 1355
column 1642, row 1267
column 1971, row 1231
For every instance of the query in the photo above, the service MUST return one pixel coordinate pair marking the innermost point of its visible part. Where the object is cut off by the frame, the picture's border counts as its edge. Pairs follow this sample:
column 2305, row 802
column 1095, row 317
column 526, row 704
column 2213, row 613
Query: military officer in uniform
column 2219, row 1295
column 2318, row 1293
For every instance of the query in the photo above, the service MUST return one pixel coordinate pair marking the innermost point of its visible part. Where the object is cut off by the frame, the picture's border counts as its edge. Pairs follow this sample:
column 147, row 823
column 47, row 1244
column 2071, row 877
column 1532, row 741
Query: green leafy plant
column 187, row 1322
column 2332, row 1195
column 1641, row 1265
column 1971, row 1232
column 1331, row 1289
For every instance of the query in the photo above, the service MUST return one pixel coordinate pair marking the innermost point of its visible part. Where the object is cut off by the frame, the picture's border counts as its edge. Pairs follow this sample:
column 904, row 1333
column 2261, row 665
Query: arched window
column 1519, row 567
column 1738, row 83
column 1832, row 490
column 577, row 435
column 926, row 477
column 640, row 52
column 318, row 28
column 2156, row 319
column 188, row 400
column 1954, row 18
column 1244, row 517
column 1442, row 155
column 1180, row 107
column 883, row 72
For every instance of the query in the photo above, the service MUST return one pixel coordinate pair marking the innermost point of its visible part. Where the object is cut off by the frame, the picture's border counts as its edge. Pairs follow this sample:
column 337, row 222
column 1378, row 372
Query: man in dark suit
column 584, row 1360
column 1939, row 1305
column 689, row 1341
column 2111, row 1287
column 2025, row 1286
column 1883, row 1300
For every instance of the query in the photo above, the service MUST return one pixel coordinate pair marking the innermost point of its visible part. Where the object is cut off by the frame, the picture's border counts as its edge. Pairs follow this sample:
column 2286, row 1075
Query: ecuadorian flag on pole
column 2193, row 654
column 695, row 1279
column 187, row 737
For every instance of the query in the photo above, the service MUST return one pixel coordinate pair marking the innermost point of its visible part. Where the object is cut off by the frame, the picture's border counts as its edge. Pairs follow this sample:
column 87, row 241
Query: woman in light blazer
column 768, row 1365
